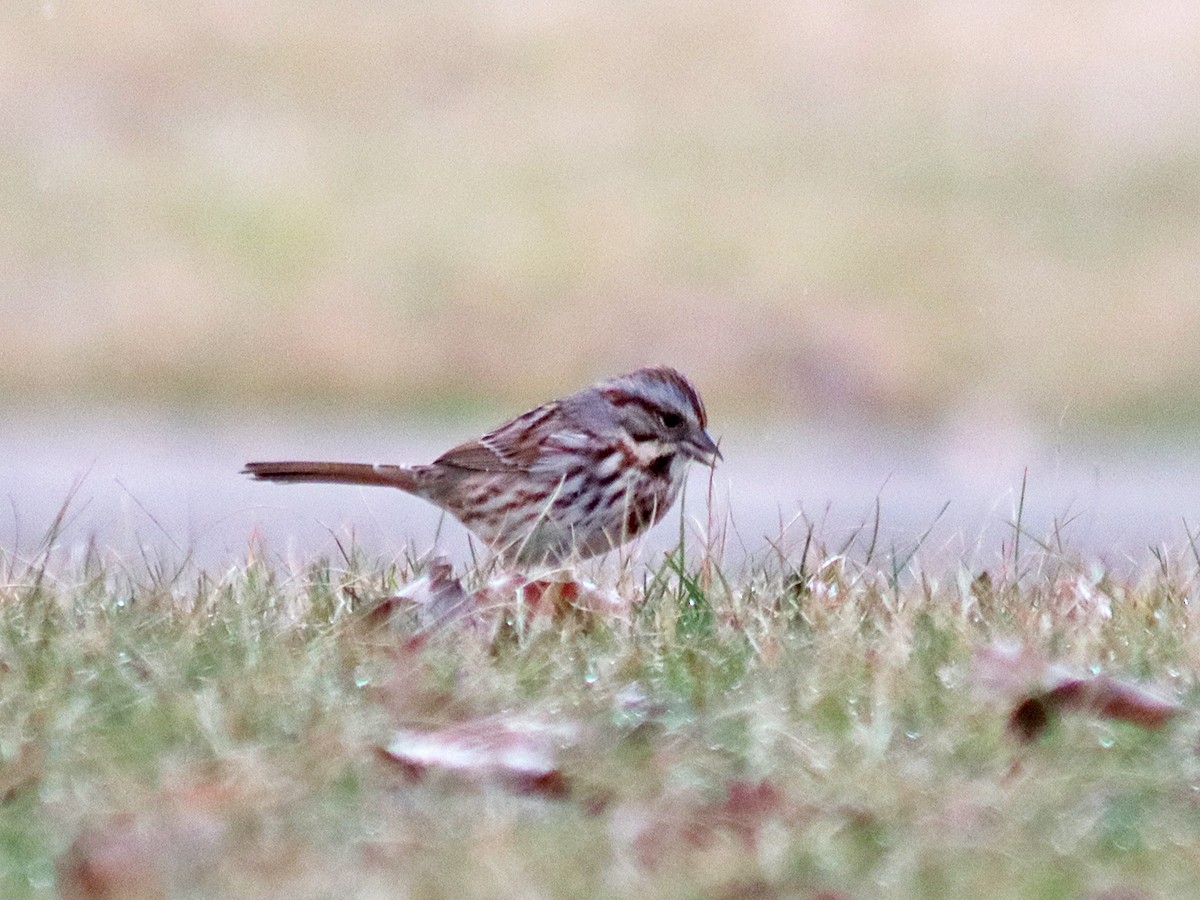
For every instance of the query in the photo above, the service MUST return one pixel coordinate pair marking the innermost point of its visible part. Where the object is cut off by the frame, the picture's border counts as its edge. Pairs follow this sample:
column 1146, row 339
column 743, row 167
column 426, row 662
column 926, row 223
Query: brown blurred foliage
column 893, row 210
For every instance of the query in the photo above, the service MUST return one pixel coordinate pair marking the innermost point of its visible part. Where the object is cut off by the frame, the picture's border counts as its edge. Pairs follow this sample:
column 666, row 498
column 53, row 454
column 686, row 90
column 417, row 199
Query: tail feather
column 334, row 473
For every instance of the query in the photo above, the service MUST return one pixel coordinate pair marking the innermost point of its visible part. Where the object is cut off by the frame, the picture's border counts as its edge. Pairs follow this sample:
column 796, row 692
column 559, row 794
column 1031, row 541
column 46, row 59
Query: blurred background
column 965, row 235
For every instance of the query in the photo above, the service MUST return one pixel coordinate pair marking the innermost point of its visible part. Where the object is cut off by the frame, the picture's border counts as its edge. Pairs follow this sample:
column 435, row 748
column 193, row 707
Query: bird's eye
column 670, row 420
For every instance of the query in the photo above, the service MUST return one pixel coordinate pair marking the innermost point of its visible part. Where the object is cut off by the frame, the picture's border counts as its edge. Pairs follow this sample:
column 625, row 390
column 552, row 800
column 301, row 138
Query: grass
column 808, row 726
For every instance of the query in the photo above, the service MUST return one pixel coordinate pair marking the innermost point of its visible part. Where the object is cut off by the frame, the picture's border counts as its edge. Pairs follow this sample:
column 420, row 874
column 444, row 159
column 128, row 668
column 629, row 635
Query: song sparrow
column 580, row 475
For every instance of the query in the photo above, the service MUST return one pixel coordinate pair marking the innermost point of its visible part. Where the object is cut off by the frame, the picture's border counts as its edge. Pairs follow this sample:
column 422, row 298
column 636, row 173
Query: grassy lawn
column 809, row 726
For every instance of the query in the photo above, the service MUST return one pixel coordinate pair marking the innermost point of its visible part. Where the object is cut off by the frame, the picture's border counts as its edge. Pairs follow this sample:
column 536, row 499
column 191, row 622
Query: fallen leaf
column 1029, row 719
column 1113, row 699
column 437, row 598
column 520, row 753
column 1038, row 690
column 558, row 598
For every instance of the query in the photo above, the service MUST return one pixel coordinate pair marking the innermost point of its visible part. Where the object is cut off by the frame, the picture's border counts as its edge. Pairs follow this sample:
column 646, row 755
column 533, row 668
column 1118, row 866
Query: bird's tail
column 337, row 473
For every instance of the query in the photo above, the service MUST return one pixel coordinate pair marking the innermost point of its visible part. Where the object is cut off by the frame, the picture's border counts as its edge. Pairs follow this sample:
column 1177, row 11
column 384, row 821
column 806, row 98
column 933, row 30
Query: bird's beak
column 699, row 446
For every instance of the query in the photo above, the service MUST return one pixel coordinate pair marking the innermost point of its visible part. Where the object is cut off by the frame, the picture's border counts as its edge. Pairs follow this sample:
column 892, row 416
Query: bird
column 573, row 478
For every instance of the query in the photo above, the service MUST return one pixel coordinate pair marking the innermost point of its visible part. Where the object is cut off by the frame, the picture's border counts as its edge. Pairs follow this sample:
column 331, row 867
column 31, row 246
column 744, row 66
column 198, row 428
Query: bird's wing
column 515, row 445
column 475, row 455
